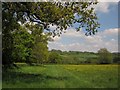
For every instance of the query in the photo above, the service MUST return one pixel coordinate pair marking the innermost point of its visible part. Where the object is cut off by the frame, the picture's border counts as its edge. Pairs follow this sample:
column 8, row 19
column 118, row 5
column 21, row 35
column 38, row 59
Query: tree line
column 103, row 56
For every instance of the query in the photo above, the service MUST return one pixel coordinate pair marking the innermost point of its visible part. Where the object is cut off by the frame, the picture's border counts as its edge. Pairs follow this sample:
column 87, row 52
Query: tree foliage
column 53, row 13
column 54, row 57
column 23, row 42
column 116, row 58
column 40, row 49
column 105, row 57
column 40, row 53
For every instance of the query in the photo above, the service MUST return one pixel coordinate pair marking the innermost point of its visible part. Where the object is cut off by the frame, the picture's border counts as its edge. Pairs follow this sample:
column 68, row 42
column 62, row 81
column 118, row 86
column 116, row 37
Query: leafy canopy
column 63, row 15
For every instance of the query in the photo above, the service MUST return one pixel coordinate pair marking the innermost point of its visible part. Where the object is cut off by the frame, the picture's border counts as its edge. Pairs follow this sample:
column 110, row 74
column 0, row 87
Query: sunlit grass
column 62, row 76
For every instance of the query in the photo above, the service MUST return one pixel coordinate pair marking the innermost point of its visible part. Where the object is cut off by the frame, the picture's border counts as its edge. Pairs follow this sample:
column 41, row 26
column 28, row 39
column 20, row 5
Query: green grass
column 62, row 76
column 80, row 58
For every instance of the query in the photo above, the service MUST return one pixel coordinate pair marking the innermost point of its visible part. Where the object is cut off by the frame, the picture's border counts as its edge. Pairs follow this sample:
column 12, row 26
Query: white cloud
column 111, row 31
column 104, row 5
column 87, row 43
column 72, row 32
column 108, row 0
column 93, row 39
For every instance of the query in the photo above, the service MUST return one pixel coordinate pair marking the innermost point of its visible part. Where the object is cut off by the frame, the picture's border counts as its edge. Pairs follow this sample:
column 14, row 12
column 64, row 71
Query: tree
column 23, row 42
column 105, row 57
column 116, row 58
column 40, row 49
column 54, row 57
column 40, row 53
column 45, row 14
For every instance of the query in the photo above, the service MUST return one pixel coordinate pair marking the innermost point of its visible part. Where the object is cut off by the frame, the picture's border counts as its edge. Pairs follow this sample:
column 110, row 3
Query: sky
column 106, row 37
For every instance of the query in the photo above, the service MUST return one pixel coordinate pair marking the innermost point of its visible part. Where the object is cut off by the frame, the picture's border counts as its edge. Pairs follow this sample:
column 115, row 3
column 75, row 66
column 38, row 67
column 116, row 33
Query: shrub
column 54, row 57
column 105, row 57
column 116, row 58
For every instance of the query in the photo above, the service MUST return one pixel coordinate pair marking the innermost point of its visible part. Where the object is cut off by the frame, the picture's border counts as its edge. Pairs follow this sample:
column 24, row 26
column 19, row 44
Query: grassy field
column 78, row 58
column 62, row 76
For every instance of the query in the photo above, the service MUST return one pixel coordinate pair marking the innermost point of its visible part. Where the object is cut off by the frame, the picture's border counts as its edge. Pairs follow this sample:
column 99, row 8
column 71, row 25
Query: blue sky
column 107, row 36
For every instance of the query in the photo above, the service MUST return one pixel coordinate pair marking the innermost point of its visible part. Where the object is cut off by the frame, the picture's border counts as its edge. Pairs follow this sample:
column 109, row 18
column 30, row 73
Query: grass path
column 64, row 78
column 58, row 76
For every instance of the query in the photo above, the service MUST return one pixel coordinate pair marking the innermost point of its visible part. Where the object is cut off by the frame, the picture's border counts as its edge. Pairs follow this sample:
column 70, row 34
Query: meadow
column 78, row 57
column 62, row 76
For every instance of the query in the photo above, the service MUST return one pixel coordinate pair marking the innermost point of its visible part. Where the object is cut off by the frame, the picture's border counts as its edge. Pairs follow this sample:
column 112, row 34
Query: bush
column 105, row 57
column 116, row 58
column 54, row 57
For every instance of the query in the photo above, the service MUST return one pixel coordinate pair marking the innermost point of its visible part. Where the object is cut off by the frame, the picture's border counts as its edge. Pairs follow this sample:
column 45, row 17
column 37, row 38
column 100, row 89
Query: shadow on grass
column 13, row 77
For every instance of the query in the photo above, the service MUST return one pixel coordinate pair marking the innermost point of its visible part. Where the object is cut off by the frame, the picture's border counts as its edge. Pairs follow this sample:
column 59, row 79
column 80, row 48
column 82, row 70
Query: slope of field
column 62, row 76
column 79, row 58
